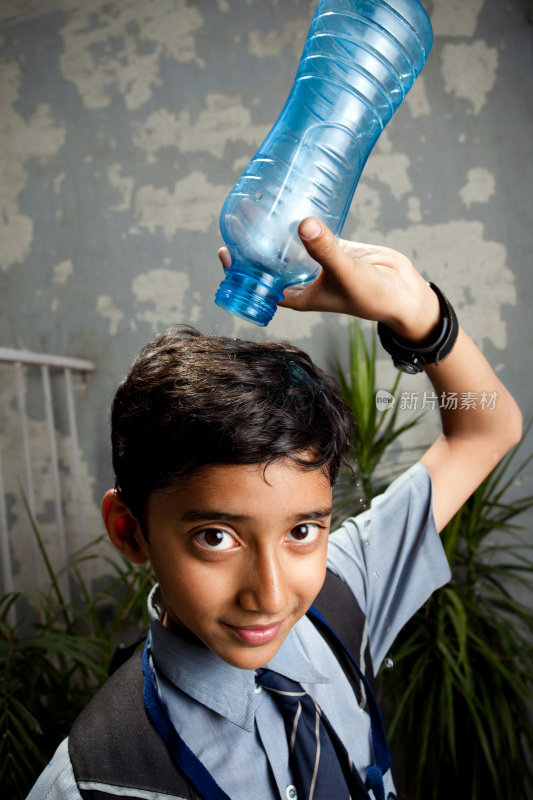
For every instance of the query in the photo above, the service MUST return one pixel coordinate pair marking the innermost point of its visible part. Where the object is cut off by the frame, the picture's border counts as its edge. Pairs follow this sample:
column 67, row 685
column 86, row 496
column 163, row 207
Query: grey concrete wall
column 123, row 125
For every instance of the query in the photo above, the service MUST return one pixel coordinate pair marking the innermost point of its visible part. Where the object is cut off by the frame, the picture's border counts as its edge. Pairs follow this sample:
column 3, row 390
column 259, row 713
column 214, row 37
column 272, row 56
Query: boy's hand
column 366, row 281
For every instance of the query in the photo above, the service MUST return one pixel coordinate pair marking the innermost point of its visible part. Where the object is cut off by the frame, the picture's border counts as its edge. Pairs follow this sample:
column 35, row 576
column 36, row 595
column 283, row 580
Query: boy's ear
column 123, row 528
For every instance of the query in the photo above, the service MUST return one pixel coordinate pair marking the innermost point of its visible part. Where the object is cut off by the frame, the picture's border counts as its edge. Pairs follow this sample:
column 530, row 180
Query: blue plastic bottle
column 360, row 59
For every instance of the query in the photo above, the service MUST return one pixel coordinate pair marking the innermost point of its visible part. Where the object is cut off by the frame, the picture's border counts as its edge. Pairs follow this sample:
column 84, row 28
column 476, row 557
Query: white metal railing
column 22, row 362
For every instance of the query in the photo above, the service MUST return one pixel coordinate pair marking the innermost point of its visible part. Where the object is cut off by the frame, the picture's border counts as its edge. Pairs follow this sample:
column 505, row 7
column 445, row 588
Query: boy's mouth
column 256, row 635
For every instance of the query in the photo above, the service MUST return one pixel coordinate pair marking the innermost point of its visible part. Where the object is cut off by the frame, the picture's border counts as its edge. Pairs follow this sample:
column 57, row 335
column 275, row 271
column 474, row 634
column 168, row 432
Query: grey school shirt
column 391, row 558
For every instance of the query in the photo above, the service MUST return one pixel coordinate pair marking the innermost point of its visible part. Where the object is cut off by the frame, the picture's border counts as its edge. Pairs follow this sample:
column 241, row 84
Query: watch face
column 410, row 367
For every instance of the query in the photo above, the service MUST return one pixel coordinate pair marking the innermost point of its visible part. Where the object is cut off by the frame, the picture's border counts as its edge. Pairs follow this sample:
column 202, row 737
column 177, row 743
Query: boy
column 225, row 453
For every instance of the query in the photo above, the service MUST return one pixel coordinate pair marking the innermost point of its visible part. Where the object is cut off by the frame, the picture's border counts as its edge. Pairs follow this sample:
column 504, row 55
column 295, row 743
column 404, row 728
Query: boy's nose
column 264, row 586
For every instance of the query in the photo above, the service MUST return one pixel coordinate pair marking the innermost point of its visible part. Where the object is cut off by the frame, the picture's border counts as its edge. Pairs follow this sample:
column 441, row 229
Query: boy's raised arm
column 381, row 284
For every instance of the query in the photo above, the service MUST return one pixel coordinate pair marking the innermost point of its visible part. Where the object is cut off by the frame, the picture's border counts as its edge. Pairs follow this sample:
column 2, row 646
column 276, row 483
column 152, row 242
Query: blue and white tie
column 321, row 766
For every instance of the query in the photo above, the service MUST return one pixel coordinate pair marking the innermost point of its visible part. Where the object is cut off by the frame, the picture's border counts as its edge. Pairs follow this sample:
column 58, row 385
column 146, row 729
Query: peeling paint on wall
column 194, row 204
column 63, row 271
column 294, row 327
column 124, row 186
column 455, row 17
column 268, row 45
column 163, row 291
column 417, row 99
column 108, row 310
column 476, row 60
column 36, row 137
column 224, row 119
column 480, row 186
column 392, row 170
column 119, row 47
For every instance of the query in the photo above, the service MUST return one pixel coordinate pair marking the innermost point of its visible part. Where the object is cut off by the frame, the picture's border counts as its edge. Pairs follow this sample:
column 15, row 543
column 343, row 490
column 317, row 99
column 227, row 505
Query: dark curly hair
column 191, row 400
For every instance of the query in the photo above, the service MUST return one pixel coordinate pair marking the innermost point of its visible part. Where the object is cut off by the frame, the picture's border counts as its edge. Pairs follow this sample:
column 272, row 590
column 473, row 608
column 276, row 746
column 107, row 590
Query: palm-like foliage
column 55, row 656
column 46, row 676
column 462, row 683
column 375, row 429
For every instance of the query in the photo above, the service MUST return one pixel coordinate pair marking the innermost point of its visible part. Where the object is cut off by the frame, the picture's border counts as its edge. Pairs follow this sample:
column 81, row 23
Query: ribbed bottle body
column 360, row 59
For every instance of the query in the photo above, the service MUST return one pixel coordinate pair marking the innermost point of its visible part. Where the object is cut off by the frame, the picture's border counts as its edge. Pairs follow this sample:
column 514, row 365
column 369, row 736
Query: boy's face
column 240, row 554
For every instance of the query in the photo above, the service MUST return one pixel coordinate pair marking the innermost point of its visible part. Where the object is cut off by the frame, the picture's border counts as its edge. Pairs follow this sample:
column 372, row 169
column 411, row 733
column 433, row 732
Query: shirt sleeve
column 56, row 781
column 391, row 557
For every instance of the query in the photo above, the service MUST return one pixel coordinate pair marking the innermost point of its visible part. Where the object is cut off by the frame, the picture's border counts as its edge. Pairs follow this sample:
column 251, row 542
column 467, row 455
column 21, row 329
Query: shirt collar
column 194, row 669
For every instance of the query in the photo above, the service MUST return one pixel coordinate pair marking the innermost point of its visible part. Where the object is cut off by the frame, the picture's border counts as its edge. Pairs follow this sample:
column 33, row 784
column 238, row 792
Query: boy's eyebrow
column 201, row 514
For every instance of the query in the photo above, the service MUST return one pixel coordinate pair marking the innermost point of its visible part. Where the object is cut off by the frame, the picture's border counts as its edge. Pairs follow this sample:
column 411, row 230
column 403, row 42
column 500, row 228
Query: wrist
column 421, row 326
column 412, row 356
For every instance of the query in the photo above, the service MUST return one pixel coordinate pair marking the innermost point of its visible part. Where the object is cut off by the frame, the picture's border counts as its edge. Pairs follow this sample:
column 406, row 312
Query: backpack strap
column 338, row 617
column 337, row 603
column 126, row 754
column 124, row 651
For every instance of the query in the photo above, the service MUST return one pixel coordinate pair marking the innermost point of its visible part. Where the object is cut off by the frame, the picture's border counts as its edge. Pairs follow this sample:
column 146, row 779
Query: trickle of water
column 388, row 663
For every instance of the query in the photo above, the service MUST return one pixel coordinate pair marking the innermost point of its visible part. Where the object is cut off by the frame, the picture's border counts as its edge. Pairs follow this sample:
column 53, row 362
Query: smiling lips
column 257, row 635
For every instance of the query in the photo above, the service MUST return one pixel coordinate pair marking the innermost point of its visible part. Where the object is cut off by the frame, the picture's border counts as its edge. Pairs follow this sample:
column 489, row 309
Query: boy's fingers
column 224, row 257
column 319, row 241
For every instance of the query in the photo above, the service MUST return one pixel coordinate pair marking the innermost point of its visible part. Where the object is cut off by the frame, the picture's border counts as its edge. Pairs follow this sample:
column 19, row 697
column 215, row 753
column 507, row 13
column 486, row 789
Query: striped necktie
column 320, row 764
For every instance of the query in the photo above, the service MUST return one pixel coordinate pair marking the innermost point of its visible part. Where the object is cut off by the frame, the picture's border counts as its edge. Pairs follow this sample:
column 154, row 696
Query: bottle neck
column 252, row 297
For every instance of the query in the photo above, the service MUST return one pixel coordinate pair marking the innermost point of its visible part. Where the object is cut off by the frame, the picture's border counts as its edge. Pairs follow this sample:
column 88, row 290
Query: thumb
column 319, row 241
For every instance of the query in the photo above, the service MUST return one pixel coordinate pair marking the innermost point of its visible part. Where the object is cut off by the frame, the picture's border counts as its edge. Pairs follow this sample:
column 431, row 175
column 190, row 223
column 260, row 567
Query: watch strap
column 409, row 358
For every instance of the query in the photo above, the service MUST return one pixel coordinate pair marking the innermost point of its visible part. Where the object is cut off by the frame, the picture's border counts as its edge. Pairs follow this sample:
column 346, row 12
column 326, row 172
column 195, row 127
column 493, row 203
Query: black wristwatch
column 410, row 359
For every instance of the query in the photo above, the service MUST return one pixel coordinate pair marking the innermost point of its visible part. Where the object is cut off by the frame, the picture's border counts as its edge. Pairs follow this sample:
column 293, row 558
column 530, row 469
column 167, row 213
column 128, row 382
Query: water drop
column 388, row 663
column 376, row 574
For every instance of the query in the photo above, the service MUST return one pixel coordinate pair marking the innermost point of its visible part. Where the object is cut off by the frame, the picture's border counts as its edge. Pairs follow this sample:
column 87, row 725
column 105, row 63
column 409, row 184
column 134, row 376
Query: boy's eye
column 305, row 533
column 214, row 539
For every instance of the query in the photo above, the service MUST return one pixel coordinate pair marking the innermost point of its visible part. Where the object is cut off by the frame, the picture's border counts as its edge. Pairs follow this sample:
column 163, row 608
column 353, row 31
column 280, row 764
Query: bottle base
column 248, row 298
